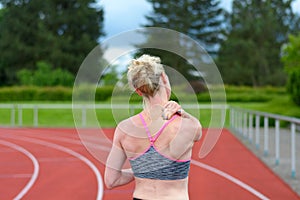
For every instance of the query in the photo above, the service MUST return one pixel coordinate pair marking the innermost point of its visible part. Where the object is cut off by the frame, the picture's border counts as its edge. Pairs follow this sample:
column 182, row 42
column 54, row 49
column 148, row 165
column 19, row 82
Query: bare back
column 175, row 142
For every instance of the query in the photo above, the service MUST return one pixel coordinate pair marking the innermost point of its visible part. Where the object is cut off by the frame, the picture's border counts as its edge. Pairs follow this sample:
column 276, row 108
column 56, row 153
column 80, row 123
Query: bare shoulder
column 192, row 127
column 127, row 127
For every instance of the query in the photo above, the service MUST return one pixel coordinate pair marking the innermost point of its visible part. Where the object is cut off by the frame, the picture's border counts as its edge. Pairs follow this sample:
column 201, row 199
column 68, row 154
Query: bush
column 103, row 93
column 290, row 58
column 26, row 93
column 293, row 85
column 87, row 92
column 45, row 76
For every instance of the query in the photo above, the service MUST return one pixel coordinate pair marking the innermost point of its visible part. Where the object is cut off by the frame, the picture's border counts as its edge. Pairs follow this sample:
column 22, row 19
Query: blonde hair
column 144, row 74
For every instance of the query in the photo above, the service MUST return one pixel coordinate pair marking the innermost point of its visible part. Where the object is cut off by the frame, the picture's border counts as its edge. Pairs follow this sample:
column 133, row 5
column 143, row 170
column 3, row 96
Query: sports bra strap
column 145, row 126
column 153, row 139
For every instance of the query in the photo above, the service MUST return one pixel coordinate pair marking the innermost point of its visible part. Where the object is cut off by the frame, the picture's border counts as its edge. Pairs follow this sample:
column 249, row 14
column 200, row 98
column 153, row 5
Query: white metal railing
column 241, row 121
column 16, row 110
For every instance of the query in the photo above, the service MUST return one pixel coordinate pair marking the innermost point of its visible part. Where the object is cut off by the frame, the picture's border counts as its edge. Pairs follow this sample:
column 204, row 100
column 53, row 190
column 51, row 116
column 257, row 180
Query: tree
column 251, row 53
column 291, row 60
column 200, row 20
column 61, row 33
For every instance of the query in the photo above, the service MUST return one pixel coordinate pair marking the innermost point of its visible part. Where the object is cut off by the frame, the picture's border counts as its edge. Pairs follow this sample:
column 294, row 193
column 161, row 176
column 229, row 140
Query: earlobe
column 139, row 92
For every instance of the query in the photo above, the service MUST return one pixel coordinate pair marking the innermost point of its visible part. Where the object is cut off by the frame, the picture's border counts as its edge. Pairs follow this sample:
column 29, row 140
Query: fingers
column 170, row 109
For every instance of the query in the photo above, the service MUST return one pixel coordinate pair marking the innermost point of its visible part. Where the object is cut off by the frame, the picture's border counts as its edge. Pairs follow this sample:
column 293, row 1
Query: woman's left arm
column 114, row 174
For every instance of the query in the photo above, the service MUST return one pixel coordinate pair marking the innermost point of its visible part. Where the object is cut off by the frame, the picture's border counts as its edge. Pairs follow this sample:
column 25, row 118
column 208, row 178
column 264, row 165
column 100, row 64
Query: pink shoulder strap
column 145, row 126
column 153, row 139
column 163, row 127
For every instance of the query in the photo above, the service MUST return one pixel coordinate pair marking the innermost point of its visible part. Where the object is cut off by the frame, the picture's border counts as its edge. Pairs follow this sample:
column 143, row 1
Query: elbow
column 108, row 181
column 109, row 186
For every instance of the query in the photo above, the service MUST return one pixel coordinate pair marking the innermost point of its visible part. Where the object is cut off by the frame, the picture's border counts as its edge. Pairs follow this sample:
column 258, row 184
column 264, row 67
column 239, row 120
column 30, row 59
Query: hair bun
column 144, row 74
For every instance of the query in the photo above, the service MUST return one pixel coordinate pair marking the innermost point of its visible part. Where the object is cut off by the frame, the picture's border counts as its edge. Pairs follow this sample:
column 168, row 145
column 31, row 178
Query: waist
column 161, row 189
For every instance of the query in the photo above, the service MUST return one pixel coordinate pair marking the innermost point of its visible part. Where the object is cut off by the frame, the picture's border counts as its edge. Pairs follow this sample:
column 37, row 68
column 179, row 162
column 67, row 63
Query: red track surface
column 66, row 170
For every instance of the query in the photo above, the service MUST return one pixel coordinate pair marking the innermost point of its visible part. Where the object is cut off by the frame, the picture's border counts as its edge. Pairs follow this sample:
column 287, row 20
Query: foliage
column 291, row 60
column 110, row 76
column 104, row 93
column 61, row 33
column 45, row 76
column 57, row 93
column 31, row 93
column 202, row 21
column 251, row 53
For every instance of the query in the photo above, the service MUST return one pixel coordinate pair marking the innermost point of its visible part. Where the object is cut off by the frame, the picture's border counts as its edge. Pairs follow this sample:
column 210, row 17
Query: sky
column 130, row 15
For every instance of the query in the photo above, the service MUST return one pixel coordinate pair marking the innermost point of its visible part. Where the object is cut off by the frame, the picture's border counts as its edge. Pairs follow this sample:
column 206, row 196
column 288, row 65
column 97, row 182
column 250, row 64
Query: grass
column 275, row 100
column 94, row 118
column 281, row 105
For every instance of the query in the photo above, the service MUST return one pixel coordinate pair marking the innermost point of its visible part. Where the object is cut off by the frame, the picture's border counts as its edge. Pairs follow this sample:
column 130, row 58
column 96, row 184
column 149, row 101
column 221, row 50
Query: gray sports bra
column 152, row 164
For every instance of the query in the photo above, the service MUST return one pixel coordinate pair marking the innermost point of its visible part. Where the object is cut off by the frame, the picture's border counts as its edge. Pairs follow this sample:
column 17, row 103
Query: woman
column 157, row 142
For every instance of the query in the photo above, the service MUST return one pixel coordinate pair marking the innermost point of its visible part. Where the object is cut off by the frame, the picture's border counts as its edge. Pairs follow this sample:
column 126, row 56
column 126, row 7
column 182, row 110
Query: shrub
column 290, row 58
column 45, row 76
column 293, row 85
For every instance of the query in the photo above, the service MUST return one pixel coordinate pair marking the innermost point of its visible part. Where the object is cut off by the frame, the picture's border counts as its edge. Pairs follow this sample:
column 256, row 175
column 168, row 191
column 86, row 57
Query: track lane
column 203, row 183
column 53, row 172
column 32, row 177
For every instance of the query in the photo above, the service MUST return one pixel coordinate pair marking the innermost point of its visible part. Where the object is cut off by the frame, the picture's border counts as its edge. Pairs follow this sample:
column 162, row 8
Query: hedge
column 58, row 93
column 31, row 93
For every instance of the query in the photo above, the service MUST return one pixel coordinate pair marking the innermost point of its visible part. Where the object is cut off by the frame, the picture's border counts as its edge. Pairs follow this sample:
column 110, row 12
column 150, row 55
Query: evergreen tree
column 59, row 32
column 251, row 53
column 200, row 20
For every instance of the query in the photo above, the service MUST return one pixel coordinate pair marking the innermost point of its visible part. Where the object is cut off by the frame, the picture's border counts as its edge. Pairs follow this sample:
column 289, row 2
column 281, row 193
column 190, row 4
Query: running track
column 53, row 164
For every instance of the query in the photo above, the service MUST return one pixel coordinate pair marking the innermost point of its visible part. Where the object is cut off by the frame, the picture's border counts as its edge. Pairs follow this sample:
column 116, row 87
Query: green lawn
column 102, row 117
column 280, row 103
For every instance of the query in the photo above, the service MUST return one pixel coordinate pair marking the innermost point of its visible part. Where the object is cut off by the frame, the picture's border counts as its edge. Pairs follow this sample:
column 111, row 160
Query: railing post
column 293, row 149
column 236, row 122
column 266, row 136
column 35, row 116
column 13, row 116
column 250, row 128
column 20, row 115
column 230, row 118
column 257, row 134
column 240, row 123
column 236, row 117
column 83, row 116
column 223, row 116
column 245, row 125
column 132, row 110
column 277, row 142
column 233, row 120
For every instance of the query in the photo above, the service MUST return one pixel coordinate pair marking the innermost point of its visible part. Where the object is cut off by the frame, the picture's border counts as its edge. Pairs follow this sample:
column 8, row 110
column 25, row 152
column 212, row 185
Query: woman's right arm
column 114, row 174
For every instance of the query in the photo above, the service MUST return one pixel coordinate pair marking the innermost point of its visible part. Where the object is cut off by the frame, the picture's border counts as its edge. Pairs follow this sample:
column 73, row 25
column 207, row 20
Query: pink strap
column 153, row 139
column 146, row 127
column 163, row 127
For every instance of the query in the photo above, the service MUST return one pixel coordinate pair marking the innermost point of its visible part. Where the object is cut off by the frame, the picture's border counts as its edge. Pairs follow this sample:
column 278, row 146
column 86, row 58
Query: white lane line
column 71, row 152
column 194, row 162
column 35, row 169
column 77, row 141
column 204, row 166
column 15, row 176
column 230, row 178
